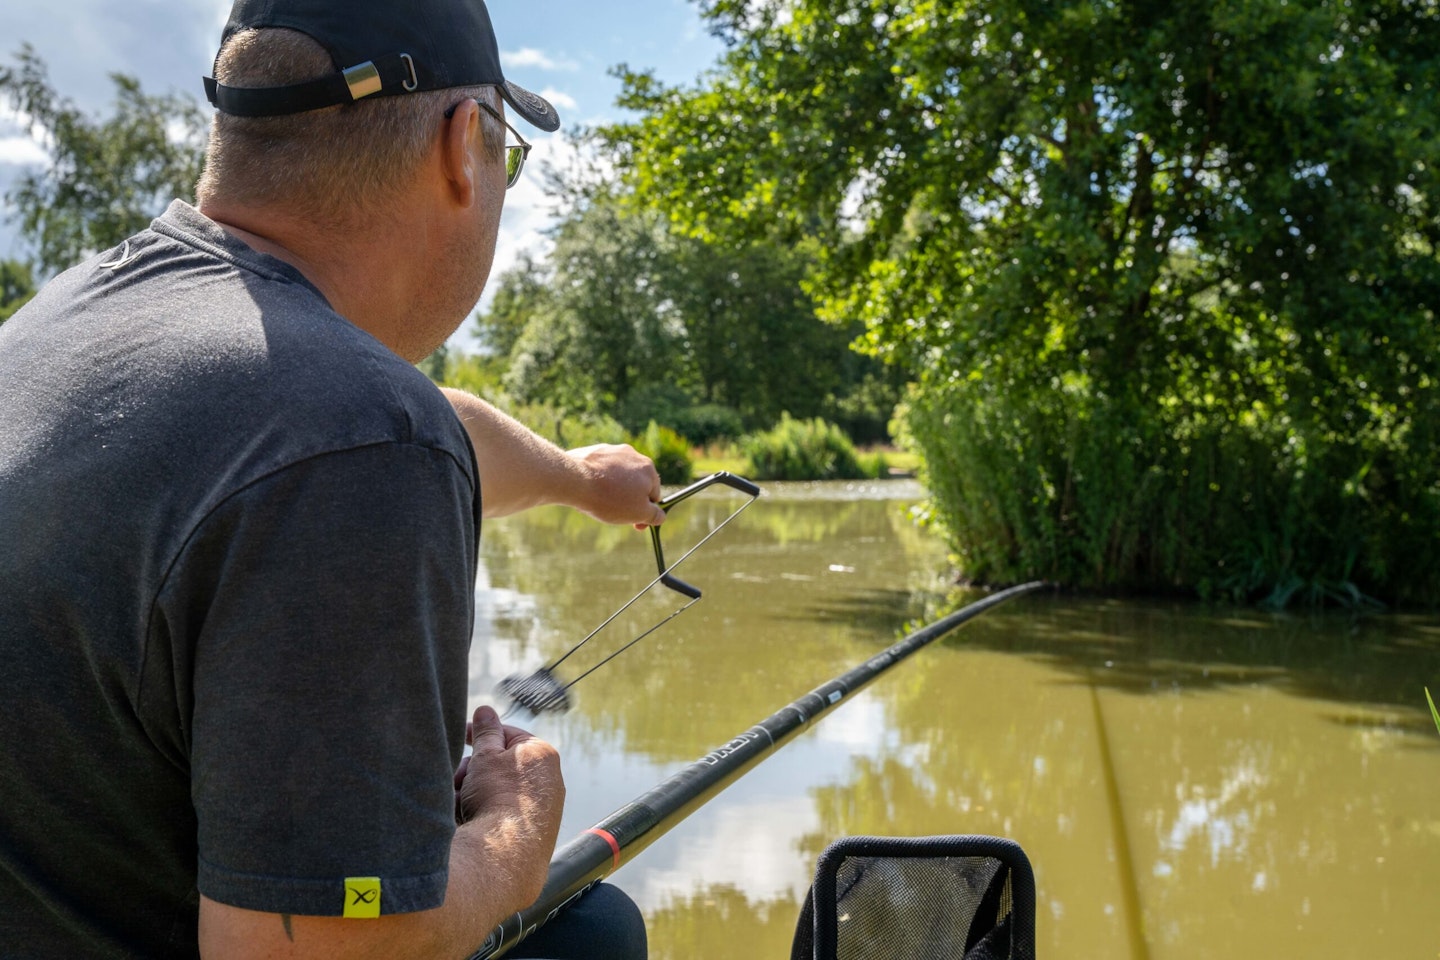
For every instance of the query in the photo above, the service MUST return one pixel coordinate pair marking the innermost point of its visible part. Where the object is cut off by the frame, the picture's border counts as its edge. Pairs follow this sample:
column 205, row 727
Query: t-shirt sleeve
column 329, row 608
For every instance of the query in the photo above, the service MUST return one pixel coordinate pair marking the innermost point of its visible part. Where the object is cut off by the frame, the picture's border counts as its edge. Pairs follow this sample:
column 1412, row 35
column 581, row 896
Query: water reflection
column 1188, row 782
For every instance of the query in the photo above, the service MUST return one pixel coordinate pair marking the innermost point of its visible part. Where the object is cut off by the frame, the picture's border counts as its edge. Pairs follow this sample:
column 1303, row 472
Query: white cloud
column 560, row 99
column 22, row 151
column 860, row 726
column 750, row 847
column 532, row 57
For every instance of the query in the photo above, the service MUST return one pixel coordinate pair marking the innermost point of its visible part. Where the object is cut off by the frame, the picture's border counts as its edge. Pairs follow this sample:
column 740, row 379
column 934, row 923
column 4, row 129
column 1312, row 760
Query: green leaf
column 1433, row 712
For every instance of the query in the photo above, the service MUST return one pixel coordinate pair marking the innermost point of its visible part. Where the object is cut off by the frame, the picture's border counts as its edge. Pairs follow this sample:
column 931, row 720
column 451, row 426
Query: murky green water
column 1187, row 782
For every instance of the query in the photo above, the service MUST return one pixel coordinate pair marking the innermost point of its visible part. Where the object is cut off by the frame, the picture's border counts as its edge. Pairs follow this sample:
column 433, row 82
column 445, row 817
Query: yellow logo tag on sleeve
column 362, row 897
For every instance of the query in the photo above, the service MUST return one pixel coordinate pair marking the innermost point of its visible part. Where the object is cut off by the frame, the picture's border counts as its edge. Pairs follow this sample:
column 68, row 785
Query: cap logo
column 363, row 80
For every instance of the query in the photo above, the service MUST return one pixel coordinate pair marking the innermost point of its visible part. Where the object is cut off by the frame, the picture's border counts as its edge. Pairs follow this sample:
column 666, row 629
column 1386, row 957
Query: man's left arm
column 613, row 483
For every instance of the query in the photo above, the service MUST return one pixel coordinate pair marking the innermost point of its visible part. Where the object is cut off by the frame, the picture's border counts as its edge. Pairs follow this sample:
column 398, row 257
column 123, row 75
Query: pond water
column 1187, row 781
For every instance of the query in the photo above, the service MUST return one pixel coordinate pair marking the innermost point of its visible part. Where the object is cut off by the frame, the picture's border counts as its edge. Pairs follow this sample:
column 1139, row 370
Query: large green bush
column 801, row 450
column 1083, row 490
column 707, row 423
column 669, row 450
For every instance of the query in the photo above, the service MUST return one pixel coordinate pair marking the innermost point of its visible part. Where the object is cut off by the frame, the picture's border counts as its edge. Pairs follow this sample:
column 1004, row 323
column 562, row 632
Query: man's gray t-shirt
column 237, row 557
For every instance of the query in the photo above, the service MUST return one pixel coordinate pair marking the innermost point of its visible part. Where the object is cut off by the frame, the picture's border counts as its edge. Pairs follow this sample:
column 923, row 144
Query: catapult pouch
column 885, row 898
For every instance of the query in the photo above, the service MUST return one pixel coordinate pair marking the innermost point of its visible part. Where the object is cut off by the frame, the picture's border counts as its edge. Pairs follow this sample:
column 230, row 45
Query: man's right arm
column 512, row 795
column 518, row 470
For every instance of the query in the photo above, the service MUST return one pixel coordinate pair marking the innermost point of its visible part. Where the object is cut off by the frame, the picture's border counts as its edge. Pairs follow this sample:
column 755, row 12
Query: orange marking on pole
column 614, row 845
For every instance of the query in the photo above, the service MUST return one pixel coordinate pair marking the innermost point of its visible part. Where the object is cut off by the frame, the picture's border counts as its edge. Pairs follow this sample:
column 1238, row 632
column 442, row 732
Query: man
column 238, row 529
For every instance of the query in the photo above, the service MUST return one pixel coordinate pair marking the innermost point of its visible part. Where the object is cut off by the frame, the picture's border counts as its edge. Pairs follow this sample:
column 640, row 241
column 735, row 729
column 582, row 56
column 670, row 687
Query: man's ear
column 456, row 154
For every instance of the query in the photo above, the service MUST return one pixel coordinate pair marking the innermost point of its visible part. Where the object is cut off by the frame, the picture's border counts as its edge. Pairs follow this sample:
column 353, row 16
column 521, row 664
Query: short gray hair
column 327, row 165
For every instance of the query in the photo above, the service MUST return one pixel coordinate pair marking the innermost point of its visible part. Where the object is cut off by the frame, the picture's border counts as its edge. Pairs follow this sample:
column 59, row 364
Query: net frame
column 1009, row 895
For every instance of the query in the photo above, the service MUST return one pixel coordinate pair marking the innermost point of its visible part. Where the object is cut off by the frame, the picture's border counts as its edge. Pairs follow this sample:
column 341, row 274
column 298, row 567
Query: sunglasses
column 515, row 153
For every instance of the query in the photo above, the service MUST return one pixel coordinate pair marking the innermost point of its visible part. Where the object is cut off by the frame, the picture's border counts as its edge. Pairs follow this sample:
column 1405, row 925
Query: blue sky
column 561, row 48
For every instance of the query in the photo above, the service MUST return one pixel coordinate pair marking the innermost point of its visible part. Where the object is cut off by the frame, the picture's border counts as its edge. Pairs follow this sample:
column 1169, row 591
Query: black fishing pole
column 620, row 837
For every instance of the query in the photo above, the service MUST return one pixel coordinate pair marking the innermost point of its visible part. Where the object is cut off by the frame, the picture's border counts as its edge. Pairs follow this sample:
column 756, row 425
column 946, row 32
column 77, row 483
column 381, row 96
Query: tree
column 630, row 319
column 593, row 328
column 751, row 340
column 436, row 364
column 106, row 178
column 518, row 291
column 1167, row 273
column 17, row 286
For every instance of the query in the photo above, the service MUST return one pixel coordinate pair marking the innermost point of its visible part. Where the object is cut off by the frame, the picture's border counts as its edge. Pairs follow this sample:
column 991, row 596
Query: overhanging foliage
column 1167, row 272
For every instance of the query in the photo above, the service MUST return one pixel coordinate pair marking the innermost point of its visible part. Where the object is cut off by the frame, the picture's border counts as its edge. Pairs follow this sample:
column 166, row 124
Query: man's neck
column 376, row 297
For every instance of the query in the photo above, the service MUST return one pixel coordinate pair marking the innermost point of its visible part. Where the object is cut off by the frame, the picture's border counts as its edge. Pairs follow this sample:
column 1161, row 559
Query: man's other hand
column 510, row 796
column 514, row 774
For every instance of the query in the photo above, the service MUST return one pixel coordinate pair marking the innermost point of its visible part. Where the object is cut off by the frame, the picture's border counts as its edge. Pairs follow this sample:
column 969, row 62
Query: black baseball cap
column 380, row 48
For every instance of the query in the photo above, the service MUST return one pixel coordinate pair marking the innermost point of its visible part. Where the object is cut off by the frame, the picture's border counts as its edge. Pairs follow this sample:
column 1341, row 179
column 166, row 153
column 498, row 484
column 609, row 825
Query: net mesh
column 909, row 908
column 938, row 897
column 540, row 692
